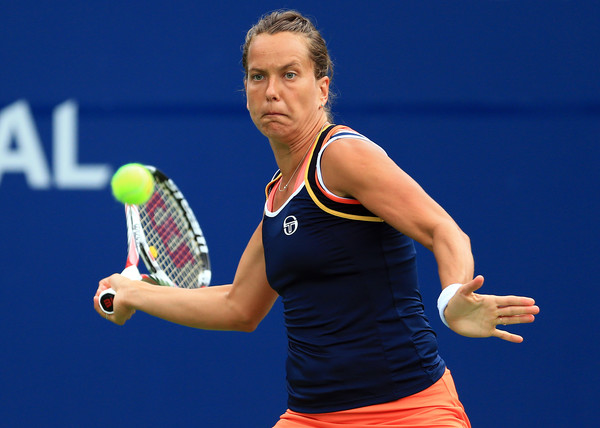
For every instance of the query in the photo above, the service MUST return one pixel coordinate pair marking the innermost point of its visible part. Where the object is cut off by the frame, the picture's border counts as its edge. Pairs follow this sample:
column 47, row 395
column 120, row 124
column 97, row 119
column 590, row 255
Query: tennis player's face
column 283, row 95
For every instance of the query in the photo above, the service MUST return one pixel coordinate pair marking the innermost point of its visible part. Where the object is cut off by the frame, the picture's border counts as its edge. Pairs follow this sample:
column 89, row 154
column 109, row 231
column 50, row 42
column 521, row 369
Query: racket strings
column 168, row 231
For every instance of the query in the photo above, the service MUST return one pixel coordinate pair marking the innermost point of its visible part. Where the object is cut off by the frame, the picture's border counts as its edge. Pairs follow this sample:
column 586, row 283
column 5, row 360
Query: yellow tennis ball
column 132, row 184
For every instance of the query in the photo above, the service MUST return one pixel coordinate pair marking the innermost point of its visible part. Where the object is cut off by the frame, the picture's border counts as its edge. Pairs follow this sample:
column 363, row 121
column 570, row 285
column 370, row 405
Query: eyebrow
column 286, row 66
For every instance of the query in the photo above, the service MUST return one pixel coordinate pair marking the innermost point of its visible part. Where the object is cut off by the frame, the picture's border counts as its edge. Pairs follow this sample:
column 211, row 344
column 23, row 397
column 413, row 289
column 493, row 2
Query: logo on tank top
column 290, row 225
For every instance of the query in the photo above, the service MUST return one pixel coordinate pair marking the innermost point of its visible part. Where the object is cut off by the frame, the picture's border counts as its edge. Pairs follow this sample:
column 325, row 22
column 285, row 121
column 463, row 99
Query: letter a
column 27, row 155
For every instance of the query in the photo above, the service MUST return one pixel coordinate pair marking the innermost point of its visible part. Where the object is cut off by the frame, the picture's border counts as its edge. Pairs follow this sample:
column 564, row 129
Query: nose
column 272, row 92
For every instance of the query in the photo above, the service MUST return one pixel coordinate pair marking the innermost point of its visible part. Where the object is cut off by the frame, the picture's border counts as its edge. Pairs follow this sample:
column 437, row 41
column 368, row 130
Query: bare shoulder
column 346, row 162
column 350, row 146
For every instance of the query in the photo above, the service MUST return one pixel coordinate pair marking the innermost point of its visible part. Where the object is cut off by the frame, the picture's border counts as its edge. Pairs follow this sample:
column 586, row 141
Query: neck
column 296, row 158
column 291, row 152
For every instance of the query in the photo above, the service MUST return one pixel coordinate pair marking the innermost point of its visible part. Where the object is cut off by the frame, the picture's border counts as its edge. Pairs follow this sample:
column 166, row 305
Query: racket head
column 168, row 236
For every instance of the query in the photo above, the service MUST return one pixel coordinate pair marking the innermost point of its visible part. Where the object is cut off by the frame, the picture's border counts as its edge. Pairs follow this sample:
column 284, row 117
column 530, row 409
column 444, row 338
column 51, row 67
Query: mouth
column 273, row 114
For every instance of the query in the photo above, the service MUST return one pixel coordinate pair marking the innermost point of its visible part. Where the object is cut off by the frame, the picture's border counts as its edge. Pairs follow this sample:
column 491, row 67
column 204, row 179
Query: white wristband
column 445, row 296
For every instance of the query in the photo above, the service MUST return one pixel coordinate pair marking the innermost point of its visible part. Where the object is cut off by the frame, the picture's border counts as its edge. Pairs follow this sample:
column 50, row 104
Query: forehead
column 284, row 48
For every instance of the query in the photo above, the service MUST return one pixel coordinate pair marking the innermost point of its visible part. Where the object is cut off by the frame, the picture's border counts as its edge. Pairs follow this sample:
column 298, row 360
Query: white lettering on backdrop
column 21, row 150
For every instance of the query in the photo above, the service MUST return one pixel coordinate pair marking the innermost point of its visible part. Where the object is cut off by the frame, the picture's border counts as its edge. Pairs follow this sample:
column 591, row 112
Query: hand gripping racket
column 164, row 232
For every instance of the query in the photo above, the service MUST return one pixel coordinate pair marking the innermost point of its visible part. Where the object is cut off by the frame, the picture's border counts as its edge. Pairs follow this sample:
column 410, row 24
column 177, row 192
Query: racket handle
column 106, row 299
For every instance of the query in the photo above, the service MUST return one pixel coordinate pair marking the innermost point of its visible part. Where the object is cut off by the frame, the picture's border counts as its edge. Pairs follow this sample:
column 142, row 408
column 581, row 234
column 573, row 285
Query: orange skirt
column 437, row 406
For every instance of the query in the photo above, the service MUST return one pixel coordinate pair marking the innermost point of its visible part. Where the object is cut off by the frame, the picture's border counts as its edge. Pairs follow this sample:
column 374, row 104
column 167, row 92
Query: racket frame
column 138, row 246
column 200, row 248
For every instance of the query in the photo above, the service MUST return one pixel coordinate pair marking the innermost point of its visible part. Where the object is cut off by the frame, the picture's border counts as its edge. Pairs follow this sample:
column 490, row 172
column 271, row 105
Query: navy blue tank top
column 357, row 331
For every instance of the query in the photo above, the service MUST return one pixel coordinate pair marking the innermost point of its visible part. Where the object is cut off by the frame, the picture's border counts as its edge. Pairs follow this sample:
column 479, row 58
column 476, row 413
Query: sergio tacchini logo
column 290, row 225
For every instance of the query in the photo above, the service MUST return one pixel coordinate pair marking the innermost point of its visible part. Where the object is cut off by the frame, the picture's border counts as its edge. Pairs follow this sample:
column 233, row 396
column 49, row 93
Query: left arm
column 363, row 171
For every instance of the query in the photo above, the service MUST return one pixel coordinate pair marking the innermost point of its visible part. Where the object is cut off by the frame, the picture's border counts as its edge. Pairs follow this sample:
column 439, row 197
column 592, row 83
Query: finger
column 517, row 319
column 104, row 284
column 509, row 337
column 97, row 307
column 508, row 311
column 472, row 286
column 514, row 301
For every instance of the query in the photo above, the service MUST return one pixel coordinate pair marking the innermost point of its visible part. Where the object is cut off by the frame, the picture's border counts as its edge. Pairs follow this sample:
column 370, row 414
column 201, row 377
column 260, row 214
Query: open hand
column 478, row 315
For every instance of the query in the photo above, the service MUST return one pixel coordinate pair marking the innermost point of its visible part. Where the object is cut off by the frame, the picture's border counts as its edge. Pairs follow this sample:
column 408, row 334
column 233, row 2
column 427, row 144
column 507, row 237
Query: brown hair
column 294, row 22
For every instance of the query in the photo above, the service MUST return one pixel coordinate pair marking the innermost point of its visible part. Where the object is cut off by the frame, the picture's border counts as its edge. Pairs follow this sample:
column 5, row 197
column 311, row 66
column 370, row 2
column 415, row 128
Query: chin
column 273, row 129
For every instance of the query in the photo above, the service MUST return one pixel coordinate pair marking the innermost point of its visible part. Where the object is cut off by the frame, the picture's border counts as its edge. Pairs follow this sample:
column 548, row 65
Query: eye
column 290, row 75
column 257, row 77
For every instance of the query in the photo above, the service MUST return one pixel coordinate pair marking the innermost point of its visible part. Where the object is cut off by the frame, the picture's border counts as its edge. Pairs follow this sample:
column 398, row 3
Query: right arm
column 239, row 306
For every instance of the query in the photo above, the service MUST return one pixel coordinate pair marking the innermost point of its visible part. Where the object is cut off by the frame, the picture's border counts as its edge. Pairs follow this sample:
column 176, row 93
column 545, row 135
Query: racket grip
column 106, row 299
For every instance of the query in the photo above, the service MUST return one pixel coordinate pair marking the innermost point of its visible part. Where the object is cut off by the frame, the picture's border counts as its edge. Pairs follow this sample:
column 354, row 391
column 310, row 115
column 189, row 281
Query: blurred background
column 492, row 106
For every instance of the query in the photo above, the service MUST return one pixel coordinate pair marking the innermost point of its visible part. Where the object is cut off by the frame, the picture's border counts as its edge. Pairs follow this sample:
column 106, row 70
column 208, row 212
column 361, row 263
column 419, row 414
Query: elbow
column 447, row 232
column 466, row 238
column 245, row 314
column 248, row 328
column 245, row 322
column 462, row 238
column 231, row 324
column 246, row 325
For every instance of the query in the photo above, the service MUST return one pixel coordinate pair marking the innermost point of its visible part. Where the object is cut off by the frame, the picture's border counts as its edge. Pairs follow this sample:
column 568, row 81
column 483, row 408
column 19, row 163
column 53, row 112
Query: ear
column 323, row 85
column 246, row 93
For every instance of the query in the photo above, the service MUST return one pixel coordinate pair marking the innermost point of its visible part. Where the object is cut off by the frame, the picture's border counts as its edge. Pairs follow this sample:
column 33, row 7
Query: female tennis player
column 336, row 242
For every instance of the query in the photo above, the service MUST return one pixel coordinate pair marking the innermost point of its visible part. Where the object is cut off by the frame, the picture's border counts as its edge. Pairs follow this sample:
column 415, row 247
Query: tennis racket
column 165, row 234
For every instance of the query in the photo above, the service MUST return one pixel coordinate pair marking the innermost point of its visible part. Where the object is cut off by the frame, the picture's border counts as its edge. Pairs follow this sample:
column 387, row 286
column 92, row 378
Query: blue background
column 493, row 106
